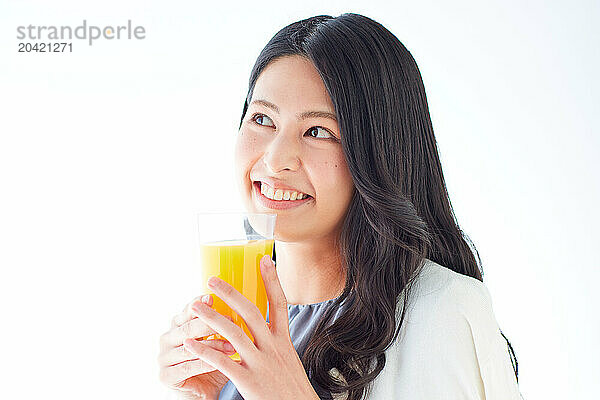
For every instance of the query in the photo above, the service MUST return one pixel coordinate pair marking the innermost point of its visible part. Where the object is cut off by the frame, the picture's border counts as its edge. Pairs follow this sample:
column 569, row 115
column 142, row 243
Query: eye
column 316, row 128
column 257, row 117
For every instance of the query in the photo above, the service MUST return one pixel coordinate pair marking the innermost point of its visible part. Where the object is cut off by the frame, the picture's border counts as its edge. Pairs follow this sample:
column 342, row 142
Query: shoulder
column 437, row 284
column 440, row 280
column 448, row 333
column 449, row 345
column 451, row 309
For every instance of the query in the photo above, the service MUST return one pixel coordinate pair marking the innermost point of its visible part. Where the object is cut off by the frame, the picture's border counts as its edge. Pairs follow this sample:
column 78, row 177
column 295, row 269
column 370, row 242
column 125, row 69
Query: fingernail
column 206, row 298
column 228, row 347
column 213, row 282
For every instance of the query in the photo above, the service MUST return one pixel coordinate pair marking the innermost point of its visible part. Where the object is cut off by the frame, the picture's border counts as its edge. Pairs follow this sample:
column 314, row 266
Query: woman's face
column 286, row 141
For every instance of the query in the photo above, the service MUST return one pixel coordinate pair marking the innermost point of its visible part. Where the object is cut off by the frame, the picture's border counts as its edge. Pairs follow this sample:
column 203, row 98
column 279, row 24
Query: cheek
column 337, row 171
column 247, row 151
column 335, row 179
column 244, row 150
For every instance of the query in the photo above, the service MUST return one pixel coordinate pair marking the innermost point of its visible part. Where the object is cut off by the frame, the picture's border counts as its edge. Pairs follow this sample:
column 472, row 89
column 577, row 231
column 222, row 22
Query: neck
column 310, row 272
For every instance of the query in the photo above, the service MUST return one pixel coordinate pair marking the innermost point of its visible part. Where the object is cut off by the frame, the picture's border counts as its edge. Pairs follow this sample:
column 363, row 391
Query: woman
column 377, row 293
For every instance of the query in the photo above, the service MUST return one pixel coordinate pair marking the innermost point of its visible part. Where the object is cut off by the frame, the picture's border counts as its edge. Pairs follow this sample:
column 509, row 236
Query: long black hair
column 400, row 212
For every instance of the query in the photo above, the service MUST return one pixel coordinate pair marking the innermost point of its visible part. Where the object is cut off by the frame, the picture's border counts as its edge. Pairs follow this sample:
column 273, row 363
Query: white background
column 107, row 153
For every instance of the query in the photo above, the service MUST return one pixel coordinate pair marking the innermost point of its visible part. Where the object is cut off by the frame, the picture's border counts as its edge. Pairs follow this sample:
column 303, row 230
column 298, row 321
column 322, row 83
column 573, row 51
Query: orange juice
column 237, row 262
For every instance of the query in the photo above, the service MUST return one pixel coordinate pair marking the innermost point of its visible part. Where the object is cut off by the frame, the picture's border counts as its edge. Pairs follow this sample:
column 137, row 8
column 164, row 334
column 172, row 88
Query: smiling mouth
column 286, row 196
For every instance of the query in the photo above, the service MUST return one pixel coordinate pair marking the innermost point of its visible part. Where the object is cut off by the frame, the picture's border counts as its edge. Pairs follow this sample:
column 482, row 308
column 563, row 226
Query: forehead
column 292, row 81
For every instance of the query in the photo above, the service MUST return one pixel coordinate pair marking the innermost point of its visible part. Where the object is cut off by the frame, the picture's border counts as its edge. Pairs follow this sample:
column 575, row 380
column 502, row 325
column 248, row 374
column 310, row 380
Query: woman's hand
column 270, row 367
column 183, row 371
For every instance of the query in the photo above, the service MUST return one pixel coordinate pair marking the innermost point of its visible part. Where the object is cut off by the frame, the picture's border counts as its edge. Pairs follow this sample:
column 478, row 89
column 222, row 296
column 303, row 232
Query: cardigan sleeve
column 457, row 350
column 449, row 347
column 496, row 370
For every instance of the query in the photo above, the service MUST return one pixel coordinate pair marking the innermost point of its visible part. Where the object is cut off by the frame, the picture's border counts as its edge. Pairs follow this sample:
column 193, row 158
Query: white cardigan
column 449, row 346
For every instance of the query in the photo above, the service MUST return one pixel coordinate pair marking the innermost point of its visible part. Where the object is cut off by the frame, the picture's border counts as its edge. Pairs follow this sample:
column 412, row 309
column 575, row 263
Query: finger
column 218, row 360
column 187, row 314
column 226, row 328
column 278, row 314
column 180, row 354
column 193, row 329
column 176, row 375
column 243, row 307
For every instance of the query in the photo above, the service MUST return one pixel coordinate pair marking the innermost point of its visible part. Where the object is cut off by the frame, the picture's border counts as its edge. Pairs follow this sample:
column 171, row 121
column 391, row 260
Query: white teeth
column 280, row 194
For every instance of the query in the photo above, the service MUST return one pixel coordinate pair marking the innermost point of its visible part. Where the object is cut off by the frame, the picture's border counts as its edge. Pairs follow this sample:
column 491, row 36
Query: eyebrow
column 302, row 115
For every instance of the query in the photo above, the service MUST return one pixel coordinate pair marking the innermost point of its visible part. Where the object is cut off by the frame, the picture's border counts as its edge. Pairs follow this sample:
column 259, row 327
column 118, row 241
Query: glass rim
column 256, row 225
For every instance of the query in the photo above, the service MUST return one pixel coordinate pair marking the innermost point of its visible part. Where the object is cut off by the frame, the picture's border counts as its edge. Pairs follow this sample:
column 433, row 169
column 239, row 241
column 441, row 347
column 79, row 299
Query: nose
column 283, row 152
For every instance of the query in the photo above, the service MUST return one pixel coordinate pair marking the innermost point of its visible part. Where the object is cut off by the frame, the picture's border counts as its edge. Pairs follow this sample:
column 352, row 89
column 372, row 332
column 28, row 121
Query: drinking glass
column 231, row 246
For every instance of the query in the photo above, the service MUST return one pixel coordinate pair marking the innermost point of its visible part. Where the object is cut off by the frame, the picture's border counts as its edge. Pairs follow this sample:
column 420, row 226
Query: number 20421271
column 45, row 47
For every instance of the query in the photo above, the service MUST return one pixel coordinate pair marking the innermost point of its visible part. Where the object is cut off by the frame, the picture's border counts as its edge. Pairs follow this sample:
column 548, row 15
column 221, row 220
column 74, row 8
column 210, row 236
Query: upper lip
column 278, row 184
